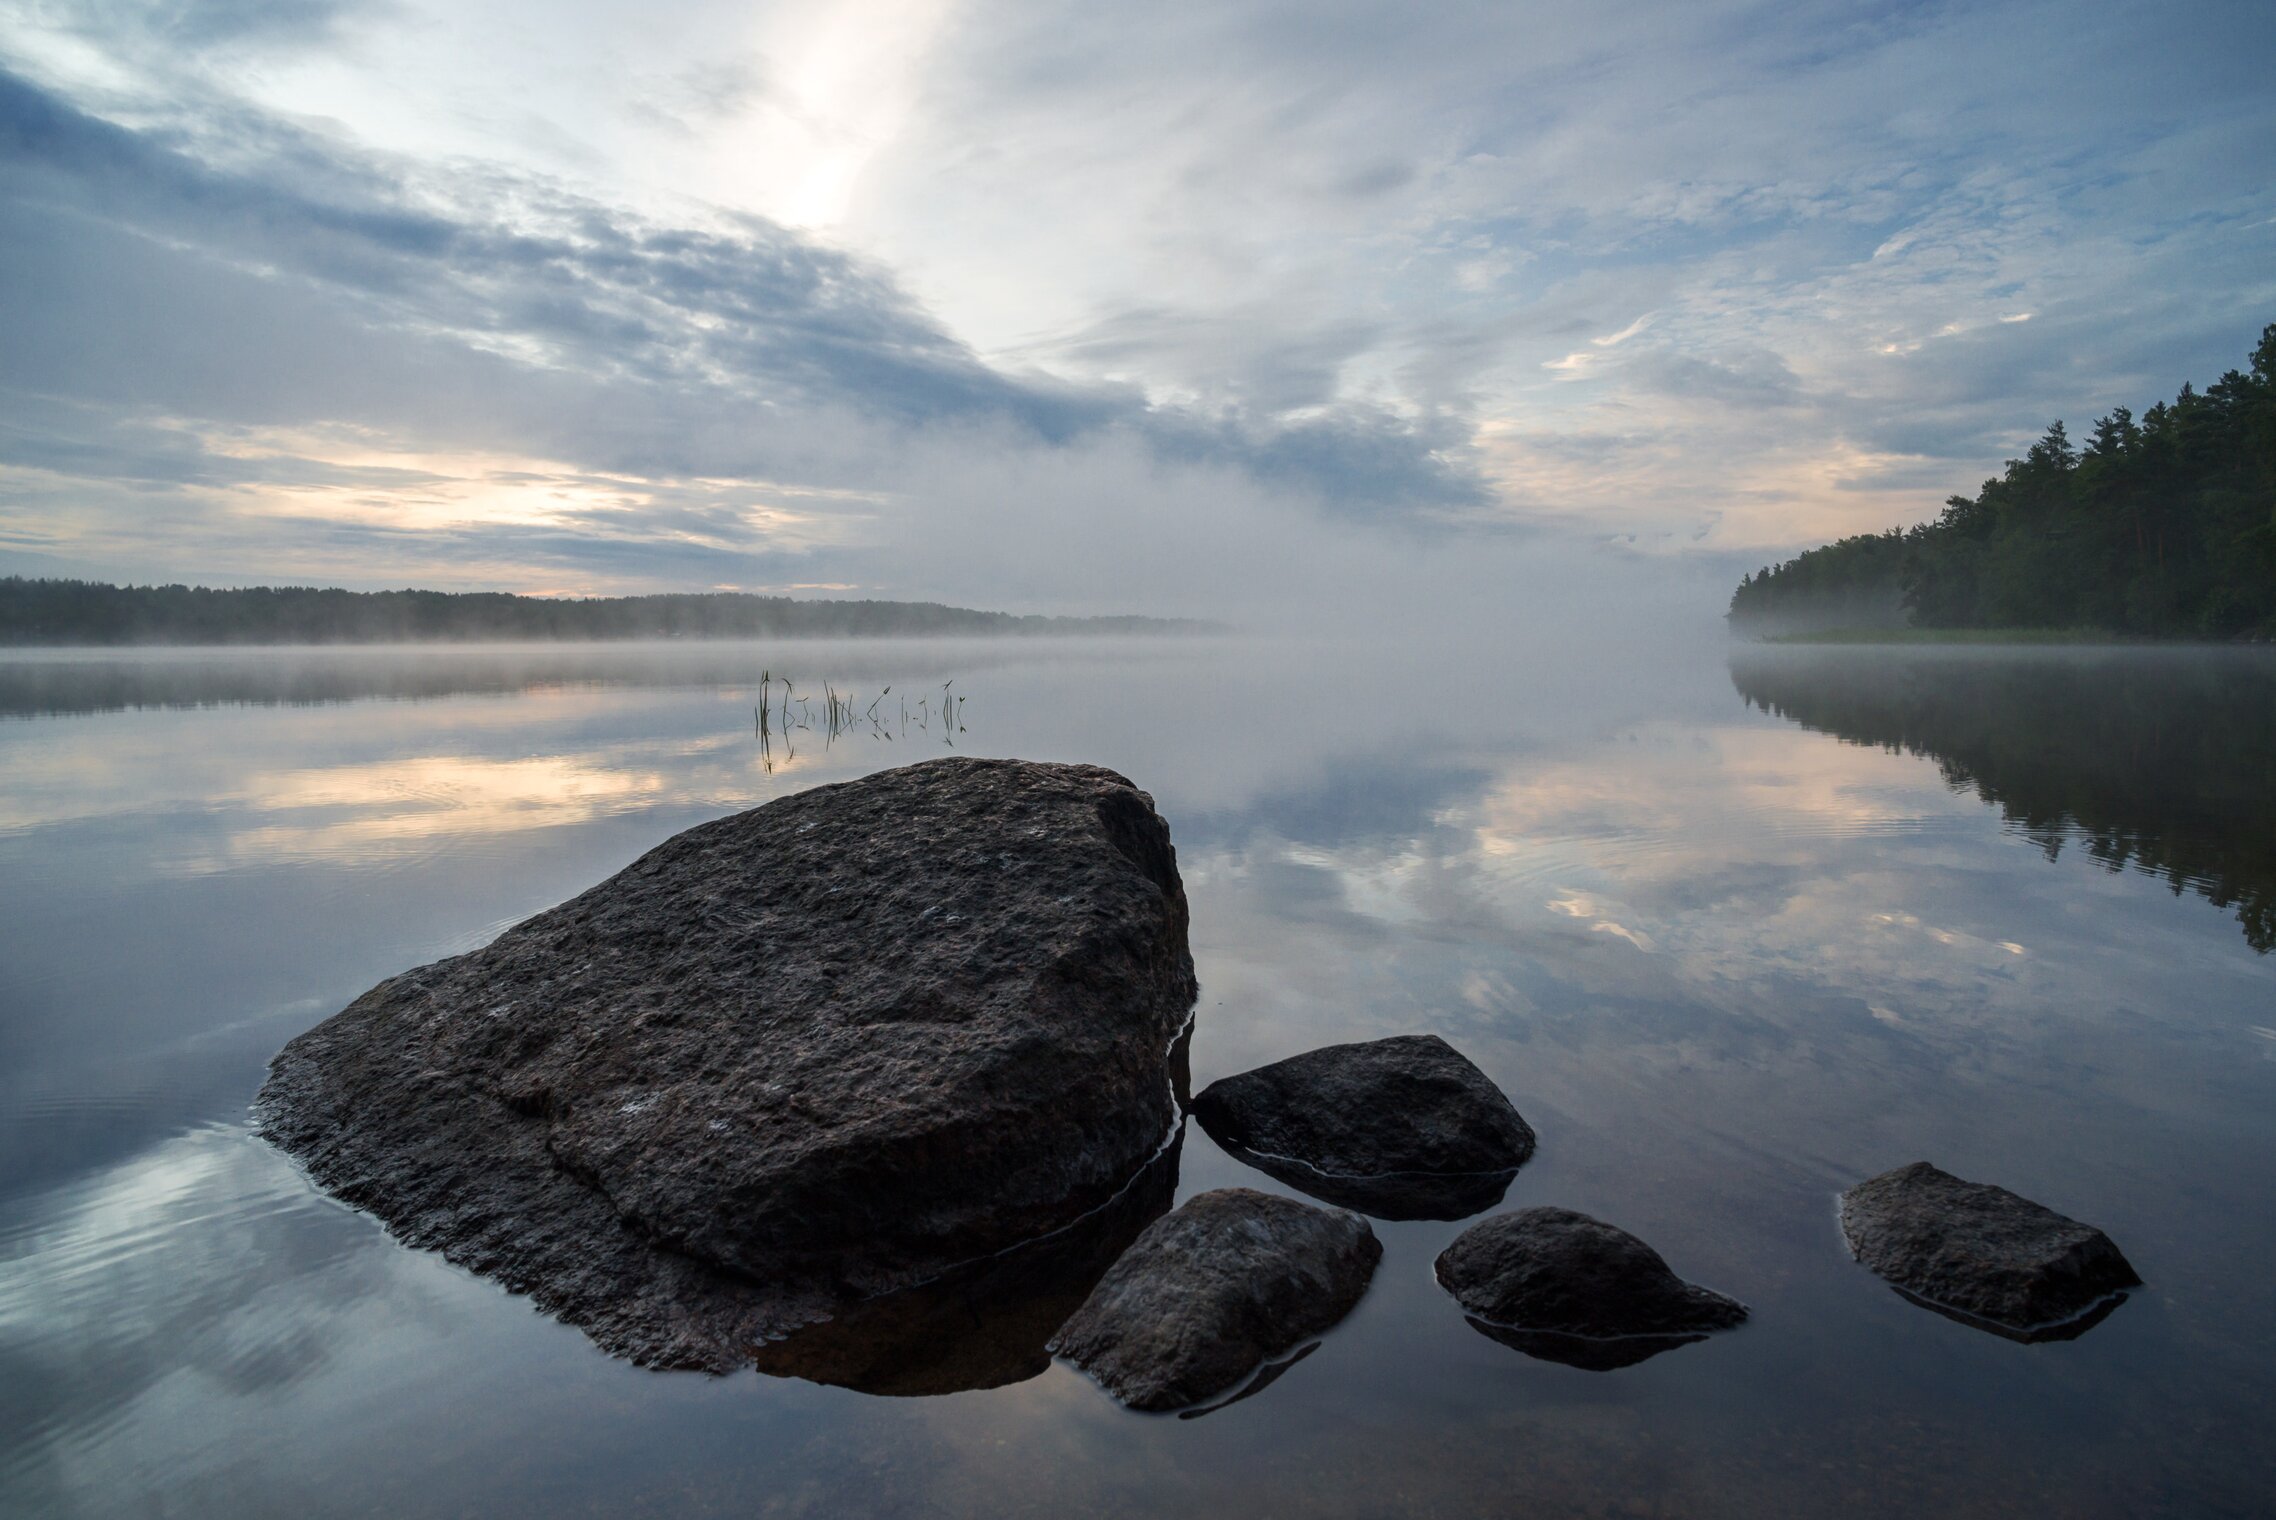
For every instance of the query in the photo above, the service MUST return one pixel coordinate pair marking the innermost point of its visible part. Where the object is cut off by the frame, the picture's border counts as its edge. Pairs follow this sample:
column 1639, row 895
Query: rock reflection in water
column 2029, row 1335
column 1267, row 1375
column 1588, row 1353
column 984, row 1325
column 1386, row 1195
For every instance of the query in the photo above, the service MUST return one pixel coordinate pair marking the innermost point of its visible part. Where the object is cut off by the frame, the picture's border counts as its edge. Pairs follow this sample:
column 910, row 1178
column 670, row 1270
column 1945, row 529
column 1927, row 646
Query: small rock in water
column 1984, row 1256
column 1401, row 1128
column 1229, row 1281
column 1567, row 1288
column 826, row 1049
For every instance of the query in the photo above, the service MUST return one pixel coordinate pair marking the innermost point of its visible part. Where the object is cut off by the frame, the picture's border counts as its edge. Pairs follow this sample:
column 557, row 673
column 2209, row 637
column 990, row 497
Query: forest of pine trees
column 2162, row 526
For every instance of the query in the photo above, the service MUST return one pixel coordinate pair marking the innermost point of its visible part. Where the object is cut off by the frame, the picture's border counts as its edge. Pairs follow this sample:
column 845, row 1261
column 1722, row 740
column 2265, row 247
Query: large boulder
column 1229, row 1281
column 1983, row 1255
column 1559, row 1285
column 822, row 1050
column 1401, row 1128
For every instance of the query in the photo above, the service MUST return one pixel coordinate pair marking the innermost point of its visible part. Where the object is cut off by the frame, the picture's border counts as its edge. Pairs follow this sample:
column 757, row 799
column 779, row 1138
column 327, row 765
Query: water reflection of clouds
column 1664, row 795
column 1740, row 852
column 1722, row 867
column 357, row 782
column 1598, row 917
column 2148, row 759
column 1728, row 854
column 288, row 799
column 167, row 1261
column 360, row 810
column 352, row 808
column 1847, row 962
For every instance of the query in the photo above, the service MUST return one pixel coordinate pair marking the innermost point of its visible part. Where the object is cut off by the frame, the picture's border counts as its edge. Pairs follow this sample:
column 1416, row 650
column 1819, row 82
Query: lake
column 1734, row 929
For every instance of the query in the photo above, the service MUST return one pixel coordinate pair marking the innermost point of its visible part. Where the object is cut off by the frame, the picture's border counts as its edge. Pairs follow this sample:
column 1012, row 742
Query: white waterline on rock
column 1579, row 1335
column 1321, row 1171
column 1969, row 1317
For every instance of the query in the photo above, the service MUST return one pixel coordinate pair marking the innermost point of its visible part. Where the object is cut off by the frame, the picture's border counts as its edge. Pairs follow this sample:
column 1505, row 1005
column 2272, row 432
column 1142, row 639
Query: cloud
column 1747, row 377
column 1611, row 340
column 373, row 348
column 1728, row 170
column 205, row 24
column 1699, row 278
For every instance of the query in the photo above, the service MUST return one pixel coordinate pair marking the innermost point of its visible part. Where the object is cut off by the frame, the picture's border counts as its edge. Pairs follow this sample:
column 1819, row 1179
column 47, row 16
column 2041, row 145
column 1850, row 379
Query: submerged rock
column 1267, row 1375
column 1559, row 1285
column 1231, row 1280
column 1982, row 1255
column 1402, row 1128
column 826, row 1049
column 983, row 1325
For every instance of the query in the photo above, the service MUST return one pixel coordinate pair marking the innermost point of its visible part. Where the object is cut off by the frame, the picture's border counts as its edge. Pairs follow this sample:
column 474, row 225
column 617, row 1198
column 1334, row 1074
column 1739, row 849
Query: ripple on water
column 111, row 1285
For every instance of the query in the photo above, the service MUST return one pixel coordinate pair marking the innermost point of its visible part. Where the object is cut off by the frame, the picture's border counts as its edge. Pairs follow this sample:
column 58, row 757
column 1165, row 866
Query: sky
column 1186, row 308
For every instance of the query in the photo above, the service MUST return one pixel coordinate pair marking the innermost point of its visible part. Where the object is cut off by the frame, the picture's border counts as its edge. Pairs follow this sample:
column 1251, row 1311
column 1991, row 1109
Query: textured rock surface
column 825, row 1049
column 1560, row 1285
column 1403, row 1128
column 1229, row 1281
column 1982, row 1253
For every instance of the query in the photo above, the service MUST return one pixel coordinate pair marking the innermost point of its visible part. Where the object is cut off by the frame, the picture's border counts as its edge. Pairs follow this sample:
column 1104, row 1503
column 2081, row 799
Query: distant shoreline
column 1989, row 637
column 51, row 614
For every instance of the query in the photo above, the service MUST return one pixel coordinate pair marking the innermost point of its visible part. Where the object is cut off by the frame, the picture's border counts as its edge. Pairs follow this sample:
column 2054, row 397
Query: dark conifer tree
column 2164, row 527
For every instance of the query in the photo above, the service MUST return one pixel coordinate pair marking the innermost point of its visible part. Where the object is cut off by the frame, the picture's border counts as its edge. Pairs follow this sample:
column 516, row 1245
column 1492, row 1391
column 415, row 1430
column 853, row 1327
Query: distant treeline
column 2161, row 527
column 89, row 612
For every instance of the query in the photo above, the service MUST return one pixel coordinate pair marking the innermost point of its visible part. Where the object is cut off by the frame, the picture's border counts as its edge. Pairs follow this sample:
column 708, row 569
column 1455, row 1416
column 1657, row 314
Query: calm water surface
column 1733, row 932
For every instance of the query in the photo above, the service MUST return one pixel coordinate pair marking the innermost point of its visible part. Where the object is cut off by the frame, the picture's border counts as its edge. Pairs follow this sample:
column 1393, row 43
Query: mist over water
column 1733, row 929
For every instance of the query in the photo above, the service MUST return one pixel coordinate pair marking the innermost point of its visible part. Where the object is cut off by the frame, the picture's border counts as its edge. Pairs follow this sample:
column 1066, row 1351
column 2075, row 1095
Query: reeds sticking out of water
column 843, row 715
